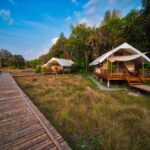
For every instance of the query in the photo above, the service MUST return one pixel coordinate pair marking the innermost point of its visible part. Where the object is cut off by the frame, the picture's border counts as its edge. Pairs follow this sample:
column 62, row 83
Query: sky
column 31, row 27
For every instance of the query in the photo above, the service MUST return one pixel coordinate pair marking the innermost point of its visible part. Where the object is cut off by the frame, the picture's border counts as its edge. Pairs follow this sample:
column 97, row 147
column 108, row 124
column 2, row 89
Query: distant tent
column 58, row 65
column 60, row 61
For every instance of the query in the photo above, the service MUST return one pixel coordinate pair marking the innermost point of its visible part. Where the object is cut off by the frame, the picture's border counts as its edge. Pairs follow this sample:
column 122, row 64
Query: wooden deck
column 22, row 125
column 123, row 75
column 141, row 87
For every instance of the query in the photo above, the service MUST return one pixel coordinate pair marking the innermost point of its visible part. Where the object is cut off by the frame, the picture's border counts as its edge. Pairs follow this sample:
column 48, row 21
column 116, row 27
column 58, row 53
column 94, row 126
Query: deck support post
column 108, row 83
column 101, row 80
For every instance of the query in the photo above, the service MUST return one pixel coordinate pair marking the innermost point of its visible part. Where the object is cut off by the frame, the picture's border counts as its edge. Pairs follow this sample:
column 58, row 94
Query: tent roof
column 124, row 58
column 124, row 46
column 62, row 62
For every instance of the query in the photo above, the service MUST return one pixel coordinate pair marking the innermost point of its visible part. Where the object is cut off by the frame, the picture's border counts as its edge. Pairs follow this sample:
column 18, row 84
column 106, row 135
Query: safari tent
column 122, row 63
column 58, row 65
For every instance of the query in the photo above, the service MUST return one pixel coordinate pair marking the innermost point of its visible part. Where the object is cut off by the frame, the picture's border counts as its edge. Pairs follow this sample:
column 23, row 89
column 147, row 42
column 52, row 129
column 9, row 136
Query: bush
column 38, row 69
column 74, row 68
column 77, row 69
column 147, row 65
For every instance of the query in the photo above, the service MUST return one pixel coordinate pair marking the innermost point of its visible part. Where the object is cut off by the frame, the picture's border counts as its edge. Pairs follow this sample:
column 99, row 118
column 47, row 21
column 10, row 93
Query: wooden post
column 142, row 67
column 101, row 80
column 108, row 83
column 117, row 66
column 107, row 66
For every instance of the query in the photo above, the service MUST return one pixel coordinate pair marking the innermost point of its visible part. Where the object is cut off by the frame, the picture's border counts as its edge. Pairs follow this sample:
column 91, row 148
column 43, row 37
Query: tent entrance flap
column 124, row 58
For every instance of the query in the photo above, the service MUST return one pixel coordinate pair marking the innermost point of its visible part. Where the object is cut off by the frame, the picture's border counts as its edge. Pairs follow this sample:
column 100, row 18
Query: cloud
column 68, row 19
column 112, row 1
column 29, row 52
column 93, row 11
column 12, row 1
column 91, row 3
column 32, row 53
column 35, row 25
column 6, row 16
column 54, row 40
column 74, row 1
column 90, row 13
column 77, row 14
column 93, row 21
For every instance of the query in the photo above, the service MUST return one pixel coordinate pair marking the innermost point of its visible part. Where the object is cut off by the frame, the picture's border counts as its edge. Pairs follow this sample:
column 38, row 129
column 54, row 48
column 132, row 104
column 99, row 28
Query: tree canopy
column 86, row 43
column 9, row 60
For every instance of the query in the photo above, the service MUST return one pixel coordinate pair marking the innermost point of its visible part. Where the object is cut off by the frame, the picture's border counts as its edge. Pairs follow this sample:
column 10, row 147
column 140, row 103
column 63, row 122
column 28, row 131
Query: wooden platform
column 22, row 125
column 142, row 87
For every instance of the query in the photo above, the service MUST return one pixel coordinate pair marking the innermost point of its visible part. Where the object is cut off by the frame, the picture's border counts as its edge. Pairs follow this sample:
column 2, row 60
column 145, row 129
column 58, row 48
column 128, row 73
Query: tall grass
column 90, row 119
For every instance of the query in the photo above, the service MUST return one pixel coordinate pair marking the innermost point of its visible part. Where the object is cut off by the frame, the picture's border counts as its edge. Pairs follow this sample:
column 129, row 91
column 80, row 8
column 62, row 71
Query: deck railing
column 117, row 73
column 123, row 74
column 144, row 73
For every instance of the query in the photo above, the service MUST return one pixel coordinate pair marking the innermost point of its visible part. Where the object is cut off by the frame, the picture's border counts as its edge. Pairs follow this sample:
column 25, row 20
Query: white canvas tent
column 135, row 54
column 60, row 61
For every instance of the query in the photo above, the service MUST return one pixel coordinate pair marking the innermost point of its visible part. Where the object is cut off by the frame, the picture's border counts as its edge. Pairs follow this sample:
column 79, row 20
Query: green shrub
column 38, row 69
column 147, row 65
column 76, row 68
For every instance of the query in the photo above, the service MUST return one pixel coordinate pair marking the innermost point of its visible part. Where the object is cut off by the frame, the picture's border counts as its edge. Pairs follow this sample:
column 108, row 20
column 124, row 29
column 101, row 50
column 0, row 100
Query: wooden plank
column 21, row 140
column 14, row 112
column 145, row 88
column 9, row 95
column 10, row 98
column 22, row 135
column 16, row 127
column 11, row 102
column 7, row 106
column 42, row 145
column 7, row 120
column 34, row 143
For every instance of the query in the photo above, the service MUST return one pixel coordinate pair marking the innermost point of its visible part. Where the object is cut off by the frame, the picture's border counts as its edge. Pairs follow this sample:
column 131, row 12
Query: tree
column 116, row 14
column 6, row 58
column 80, row 34
column 18, row 61
column 33, row 63
column 107, row 17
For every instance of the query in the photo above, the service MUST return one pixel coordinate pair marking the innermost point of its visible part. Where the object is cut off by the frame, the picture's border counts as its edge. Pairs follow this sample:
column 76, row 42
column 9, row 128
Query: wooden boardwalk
column 22, row 125
column 142, row 87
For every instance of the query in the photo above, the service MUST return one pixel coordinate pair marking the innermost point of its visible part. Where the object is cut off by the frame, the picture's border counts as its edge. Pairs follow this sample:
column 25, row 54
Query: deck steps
column 134, row 81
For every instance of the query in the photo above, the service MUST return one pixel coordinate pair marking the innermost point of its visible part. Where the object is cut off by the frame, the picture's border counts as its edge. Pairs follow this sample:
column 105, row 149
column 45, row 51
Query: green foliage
column 77, row 69
column 74, row 68
column 18, row 61
column 33, row 63
column 9, row 60
column 6, row 58
column 96, row 142
column 38, row 69
column 147, row 65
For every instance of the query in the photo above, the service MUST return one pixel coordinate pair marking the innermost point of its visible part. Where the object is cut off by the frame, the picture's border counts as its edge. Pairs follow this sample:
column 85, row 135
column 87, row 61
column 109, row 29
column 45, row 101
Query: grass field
column 89, row 118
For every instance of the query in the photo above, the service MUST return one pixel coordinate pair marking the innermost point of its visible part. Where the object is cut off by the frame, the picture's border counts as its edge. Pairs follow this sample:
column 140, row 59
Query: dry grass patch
column 89, row 118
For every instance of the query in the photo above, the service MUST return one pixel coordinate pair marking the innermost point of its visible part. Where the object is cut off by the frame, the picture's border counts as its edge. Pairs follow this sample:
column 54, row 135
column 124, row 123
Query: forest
column 86, row 43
